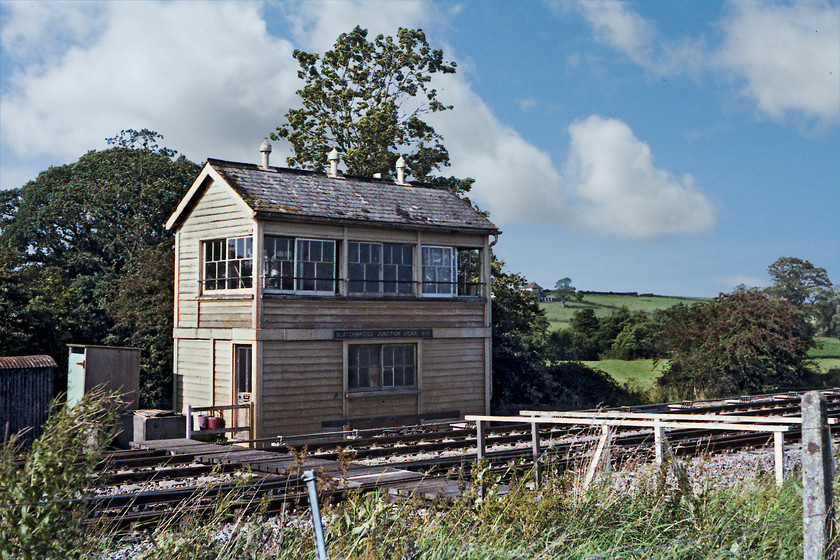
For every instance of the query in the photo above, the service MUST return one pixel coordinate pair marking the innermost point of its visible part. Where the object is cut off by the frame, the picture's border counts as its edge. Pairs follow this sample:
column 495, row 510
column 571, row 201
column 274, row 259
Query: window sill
column 227, row 296
column 374, row 393
column 374, row 297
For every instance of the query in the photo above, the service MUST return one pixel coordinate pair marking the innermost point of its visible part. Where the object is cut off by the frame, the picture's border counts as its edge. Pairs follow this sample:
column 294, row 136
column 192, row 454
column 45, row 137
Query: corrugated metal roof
column 23, row 362
column 296, row 193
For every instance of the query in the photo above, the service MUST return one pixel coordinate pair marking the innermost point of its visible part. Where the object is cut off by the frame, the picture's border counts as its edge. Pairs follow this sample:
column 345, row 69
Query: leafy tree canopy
column 798, row 281
column 367, row 99
column 565, row 291
column 95, row 214
column 738, row 343
column 71, row 236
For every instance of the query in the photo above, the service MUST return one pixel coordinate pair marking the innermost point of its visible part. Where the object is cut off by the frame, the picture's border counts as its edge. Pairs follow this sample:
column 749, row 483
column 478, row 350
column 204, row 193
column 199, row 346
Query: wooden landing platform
column 394, row 481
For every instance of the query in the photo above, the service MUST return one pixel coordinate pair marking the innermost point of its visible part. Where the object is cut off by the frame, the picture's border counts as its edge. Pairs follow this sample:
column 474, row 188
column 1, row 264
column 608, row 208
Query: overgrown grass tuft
column 42, row 491
column 633, row 514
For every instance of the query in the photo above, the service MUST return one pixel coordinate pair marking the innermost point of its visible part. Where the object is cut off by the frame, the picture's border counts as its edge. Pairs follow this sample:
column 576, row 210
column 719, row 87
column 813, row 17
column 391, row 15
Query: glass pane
column 387, row 377
column 372, row 277
column 278, row 263
column 243, row 368
column 363, row 366
column 355, row 271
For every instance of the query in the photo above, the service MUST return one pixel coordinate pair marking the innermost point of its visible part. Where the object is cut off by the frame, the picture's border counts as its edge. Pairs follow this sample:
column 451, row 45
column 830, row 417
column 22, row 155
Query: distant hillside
column 605, row 304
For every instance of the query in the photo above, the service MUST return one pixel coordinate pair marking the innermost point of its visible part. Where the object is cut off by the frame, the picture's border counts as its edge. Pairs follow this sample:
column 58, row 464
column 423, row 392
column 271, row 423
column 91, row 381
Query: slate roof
column 292, row 193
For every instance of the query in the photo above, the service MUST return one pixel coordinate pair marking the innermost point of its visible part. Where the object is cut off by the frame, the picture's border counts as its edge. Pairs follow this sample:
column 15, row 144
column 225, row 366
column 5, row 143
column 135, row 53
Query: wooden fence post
column 601, row 455
column 817, row 475
column 479, row 440
column 659, row 441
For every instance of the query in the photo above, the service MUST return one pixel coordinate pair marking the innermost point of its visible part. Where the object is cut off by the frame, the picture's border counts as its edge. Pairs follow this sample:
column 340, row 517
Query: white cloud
column 621, row 28
column 788, row 55
column 526, row 103
column 617, row 189
column 515, row 181
column 214, row 81
column 618, row 26
column 207, row 76
column 35, row 32
column 317, row 24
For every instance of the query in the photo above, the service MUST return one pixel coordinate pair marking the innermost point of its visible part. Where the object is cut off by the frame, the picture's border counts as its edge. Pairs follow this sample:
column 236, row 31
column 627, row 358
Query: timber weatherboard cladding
column 299, row 364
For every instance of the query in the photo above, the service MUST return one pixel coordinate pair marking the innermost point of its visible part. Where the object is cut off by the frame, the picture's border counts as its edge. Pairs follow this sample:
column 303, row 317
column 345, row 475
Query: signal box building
column 323, row 298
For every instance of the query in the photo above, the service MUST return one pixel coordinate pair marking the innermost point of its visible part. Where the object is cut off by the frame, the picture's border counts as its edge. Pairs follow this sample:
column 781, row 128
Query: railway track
column 145, row 486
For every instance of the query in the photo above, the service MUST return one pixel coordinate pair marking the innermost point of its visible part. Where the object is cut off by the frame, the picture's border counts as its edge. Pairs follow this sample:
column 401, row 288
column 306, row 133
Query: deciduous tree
column 71, row 236
column 564, row 290
column 520, row 330
column 738, row 343
column 798, row 281
column 367, row 99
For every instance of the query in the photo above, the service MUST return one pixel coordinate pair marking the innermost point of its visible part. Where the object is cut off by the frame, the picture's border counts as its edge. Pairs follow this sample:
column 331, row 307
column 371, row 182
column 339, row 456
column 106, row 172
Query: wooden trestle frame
column 777, row 425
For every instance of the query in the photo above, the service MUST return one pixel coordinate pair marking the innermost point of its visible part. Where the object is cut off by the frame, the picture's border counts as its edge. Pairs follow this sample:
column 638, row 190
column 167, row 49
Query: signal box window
column 385, row 268
column 228, row 263
column 300, row 265
column 381, row 366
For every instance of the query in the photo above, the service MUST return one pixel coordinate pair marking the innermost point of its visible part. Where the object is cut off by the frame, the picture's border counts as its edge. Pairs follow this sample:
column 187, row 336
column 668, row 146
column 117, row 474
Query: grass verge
column 632, row 514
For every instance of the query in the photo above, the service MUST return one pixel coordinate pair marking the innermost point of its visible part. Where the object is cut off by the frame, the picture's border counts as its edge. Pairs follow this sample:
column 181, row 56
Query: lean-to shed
column 26, row 390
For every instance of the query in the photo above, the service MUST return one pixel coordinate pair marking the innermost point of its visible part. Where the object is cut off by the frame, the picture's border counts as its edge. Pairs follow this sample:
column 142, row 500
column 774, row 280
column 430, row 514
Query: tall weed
column 42, row 493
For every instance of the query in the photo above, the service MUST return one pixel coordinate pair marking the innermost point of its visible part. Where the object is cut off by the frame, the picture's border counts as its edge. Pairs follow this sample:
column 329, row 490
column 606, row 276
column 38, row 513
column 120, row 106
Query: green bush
column 740, row 343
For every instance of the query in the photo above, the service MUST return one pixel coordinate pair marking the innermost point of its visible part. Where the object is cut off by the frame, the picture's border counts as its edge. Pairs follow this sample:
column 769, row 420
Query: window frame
column 243, row 372
column 244, row 282
column 375, row 381
column 452, row 283
column 380, row 269
column 297, row 264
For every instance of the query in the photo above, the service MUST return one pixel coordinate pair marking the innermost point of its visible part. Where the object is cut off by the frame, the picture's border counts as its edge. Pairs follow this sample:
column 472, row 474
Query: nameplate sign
column 382, row 333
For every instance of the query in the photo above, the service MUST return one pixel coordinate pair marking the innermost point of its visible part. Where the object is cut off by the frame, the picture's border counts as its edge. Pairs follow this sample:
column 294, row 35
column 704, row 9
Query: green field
column 643, row 373
column 605, row 304
column 637, row 374
column 828, row 354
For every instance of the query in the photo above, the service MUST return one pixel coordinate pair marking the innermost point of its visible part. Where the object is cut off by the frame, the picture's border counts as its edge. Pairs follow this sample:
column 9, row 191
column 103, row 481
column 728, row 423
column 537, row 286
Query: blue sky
column 677, row 148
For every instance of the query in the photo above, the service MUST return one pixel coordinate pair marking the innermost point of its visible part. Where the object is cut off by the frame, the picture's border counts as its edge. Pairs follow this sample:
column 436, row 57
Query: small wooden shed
column 26, row 390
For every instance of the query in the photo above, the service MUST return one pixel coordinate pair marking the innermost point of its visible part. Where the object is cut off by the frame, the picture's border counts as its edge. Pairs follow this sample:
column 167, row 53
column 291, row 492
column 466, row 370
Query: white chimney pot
column 401, row 171
column 333, row 157
column 265, row 150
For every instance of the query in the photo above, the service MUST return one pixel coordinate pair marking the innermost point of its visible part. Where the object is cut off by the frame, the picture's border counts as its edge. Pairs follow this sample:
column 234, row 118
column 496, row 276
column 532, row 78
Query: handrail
column 221, row 431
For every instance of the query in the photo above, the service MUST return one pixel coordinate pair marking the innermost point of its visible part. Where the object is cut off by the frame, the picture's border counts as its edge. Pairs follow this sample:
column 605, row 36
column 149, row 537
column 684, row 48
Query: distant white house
column 533, row 288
